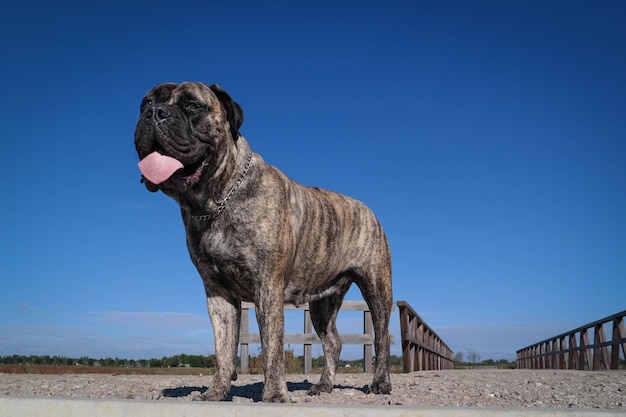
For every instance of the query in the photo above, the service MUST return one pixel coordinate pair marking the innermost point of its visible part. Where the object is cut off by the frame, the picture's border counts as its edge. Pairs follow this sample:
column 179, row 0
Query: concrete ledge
column 61, row 407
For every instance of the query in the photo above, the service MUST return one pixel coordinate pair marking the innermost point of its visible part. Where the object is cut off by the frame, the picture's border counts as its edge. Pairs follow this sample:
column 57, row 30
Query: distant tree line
column 183, row 360
column 473, row 359
column 293, row 363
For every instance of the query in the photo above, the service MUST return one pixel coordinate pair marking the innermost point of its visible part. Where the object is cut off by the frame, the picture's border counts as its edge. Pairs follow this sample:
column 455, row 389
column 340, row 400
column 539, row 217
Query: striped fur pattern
column 276, row 241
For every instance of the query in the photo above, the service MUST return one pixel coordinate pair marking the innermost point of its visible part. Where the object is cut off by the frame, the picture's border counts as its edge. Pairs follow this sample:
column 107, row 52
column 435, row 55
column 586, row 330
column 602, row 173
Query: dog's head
column 182, row 132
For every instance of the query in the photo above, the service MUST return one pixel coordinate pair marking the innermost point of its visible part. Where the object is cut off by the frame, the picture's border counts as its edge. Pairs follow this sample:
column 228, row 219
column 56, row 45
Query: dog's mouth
column 157, row 168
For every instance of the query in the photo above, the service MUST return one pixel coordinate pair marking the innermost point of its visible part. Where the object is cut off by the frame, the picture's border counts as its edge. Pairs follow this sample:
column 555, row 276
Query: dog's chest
column 223, row 259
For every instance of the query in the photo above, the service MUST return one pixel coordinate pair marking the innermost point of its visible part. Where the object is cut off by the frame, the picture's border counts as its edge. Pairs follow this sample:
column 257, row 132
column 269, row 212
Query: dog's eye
column 192, row 105
column 146, row 103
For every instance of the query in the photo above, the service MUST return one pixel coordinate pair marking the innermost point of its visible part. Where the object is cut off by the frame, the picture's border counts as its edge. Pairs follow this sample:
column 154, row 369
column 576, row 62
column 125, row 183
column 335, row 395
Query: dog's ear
column 233, row 110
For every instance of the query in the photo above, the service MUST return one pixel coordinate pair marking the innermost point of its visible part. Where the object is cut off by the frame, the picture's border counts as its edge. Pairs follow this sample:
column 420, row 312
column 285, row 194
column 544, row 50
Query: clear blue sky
column 488, row 136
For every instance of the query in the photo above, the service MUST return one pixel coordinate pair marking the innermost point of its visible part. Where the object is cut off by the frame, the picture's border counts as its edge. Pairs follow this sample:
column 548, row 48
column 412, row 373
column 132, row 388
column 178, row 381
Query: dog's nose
column 158, row 111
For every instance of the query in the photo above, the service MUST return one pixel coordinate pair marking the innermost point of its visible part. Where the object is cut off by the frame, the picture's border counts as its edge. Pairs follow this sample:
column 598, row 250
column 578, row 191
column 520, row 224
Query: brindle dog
column 255, row 235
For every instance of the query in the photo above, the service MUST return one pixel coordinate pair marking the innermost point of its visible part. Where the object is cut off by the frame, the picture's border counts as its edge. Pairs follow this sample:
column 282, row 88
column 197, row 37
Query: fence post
column 245, row 329
column 308, row 348
column 563, row 353
column 573, row 355
column 582, row 353
column 618, row 333
column 600, row 353
column 406, row 346
column 548, row 359
column 367, row 349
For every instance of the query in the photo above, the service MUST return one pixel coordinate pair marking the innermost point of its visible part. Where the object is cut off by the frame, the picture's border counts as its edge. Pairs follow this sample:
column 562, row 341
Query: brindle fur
column 276, row 241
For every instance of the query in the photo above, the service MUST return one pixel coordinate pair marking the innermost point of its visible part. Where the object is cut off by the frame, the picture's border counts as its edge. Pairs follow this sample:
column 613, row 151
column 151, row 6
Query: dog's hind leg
column 324, row 318
column 271, row 319
column 376, row 289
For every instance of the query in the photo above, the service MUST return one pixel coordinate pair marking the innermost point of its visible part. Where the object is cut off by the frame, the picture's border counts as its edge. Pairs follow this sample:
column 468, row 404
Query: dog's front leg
column 271, row 320
column 225, row 316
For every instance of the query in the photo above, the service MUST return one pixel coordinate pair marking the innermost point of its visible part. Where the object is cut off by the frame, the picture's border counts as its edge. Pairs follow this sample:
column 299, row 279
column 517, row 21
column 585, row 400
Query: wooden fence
column 308, row 338
column 422, row 348
column 572, row 350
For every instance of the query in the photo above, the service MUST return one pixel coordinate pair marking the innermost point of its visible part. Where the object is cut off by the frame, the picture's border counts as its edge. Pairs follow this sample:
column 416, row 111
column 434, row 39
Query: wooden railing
column 573, row 350
column 308, row 338
column 422, row 348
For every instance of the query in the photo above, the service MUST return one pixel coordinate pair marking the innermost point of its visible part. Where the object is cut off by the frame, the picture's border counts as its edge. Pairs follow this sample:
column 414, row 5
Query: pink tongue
column 158, row 168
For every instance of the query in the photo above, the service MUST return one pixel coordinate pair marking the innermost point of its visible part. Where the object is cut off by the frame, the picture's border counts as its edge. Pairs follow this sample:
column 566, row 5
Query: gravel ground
column 477, row 388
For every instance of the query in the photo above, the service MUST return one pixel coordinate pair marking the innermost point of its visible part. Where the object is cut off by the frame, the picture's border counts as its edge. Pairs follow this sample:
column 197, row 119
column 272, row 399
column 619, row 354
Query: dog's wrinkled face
column 182, row 129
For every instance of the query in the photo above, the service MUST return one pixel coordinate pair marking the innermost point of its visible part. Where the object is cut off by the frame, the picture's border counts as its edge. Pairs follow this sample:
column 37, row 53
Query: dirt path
column 479, row 388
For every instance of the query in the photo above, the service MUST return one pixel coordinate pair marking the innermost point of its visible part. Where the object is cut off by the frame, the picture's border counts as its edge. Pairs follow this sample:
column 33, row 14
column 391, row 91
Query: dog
column 255, row 235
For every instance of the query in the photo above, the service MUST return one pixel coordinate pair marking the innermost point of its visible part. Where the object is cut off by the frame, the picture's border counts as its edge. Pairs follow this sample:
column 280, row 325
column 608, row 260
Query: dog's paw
column 380, row 387
column 214, row 393
column 317, row 389
column 275, row 397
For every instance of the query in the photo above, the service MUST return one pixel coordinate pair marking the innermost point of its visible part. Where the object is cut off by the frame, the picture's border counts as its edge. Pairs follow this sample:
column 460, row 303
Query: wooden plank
column 417, row 342
column 347, row 305
column 413, row 315
column 312, row 339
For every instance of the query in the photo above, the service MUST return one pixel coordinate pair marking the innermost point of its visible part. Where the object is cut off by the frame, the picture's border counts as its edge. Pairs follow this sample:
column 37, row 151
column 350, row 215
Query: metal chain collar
column 221, row 206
